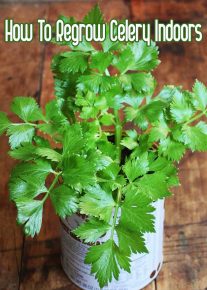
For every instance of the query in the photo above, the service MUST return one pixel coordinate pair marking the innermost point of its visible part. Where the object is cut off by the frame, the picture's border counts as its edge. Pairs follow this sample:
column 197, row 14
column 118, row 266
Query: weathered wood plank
column 41, row 267
column 147, row 10
column 188, row 204
column 185, row 256
column 185, row 247
column 12, row 53
column 10, row 266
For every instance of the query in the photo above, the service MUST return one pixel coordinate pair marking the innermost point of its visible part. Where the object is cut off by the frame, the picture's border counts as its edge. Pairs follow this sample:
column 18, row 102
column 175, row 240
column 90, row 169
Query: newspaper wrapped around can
column 144, row 267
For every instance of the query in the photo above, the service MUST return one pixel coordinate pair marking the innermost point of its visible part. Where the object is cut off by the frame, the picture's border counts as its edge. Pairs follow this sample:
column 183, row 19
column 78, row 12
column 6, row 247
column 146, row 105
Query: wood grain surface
column 28, row 264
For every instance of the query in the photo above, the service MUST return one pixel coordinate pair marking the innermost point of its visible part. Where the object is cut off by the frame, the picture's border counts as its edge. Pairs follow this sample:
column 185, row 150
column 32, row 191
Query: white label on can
column 144, row 267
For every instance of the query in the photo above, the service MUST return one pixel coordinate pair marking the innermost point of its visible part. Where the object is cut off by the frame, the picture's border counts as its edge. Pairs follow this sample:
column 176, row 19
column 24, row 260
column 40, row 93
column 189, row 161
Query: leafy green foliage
column 4, row 122
column 172, row 149
column 25, row 187
column 97, row 202
column 94, row 16
column 137, row 56
column 130, row 241
column 88, row 161
column 78, row 171
column 200, row 91
column 48, row 153
column 180, row 109
column 137, row 211
column 25, row 152
column 73, row 141
column 196, row 137
column 30, row 215
column 96, row 83
column 91, row 230
column 101, row 60
column 20, row 134
column 136, row 167
column 106, row 260
column 64, row 200
column 39, row 169
column 27, row 109
column 153, row 185
column 73, row 62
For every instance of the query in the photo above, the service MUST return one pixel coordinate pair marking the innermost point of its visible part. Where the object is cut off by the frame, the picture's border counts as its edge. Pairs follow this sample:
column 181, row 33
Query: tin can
column 144, row 267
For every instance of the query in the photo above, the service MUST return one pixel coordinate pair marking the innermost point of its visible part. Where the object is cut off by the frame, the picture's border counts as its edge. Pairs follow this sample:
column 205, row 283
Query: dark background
column 25, row 71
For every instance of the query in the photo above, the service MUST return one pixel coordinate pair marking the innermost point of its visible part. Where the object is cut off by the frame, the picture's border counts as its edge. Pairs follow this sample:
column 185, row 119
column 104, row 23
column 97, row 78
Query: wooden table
column 25, row 70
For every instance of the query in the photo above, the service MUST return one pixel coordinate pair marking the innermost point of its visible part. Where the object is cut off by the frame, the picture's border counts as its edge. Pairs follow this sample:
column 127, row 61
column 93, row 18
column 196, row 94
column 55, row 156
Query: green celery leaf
column 25, row 152
column 130, row 241
column 91, row 230
column 25, row 187
column 99, row 160
column 27, row 109
column 88, row 112
column 146, row 57
column 196, row 137
column 130, row 113
column 165, row 166
column 4, row 122
column 125, row 61
column 30, row 215
column 143, row 82
column 154, row 185
column 48, row 153
column 123, row 260
column 137, row 56
column 107, row 148
column 73, row 62
column 55, row 115
column 65, row 88
column 115, row 97
column 159, row 131
column 136, row 167
column 153, row 110
column 180, row 108
column 158, row 164
column 171, row 172
column 19, row 134
column 96, row 83
column 107, row 119
column 94, row 16
column 108, row 44
column 41, row 142
column 129, row 143
column 148, row 113
column 106, row 260
column 171, row 149
column 97, row 202
column 64, row 200
column 132, row 134
column 167, row 93
column 78, row 170
column 84, row 46
column 111, row 171
column 90, row 130
column 39, row 169
column 200, row 96
column 136, row 212
column 73, row 141
column 101, row 60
